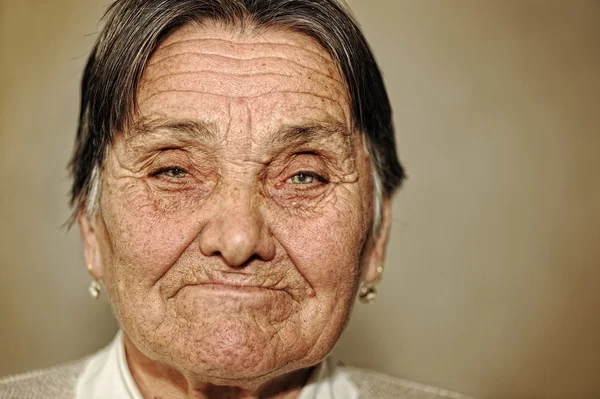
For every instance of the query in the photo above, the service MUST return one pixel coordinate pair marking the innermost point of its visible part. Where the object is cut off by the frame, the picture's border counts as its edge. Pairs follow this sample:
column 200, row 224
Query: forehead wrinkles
column 235, row 86
column 283, row 77
column 241, row 65
column 196, row 61
column 249, row 43
column 248, row 51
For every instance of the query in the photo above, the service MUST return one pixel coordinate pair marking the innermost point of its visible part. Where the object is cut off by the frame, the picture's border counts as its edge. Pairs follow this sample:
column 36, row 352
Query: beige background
column 493, row 272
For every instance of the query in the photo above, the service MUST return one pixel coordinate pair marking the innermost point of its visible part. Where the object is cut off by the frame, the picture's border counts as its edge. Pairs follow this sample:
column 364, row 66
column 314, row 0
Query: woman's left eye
column 176, row 173
column 302, row 178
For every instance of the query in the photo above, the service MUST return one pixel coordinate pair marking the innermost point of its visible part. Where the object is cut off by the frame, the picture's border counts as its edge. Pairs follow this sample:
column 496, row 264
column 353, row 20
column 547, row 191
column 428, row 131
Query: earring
column 94, row 287
column 367, row 293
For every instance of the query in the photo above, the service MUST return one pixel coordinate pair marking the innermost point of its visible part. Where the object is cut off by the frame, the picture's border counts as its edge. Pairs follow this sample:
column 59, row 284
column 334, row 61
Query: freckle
column 310, row 292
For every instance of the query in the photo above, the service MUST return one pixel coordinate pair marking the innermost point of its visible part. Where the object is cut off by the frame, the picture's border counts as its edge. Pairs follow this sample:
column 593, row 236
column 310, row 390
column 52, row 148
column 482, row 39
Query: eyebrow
column 297, row 135
column 315, row 131
column 187, row 127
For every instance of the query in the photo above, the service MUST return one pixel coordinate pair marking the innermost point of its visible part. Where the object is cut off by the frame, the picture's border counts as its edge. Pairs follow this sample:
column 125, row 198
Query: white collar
column 106, row 375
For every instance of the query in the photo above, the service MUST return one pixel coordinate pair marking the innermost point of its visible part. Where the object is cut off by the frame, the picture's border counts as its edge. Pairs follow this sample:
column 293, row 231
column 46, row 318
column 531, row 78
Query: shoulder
column 372, row 384
column 55, row 382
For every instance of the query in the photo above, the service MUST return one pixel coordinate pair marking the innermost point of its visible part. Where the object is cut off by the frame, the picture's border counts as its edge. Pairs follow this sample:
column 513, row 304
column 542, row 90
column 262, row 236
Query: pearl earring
column 367, row 293
column 94, row 287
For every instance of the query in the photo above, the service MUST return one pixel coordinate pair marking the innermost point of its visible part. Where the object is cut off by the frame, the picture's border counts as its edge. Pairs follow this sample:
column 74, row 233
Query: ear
column 374, row 265
column 91, row 244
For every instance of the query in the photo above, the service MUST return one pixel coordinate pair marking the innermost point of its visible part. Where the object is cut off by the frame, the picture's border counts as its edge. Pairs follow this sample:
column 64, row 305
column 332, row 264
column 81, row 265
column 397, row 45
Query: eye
column 172, row 172
column 302, row 178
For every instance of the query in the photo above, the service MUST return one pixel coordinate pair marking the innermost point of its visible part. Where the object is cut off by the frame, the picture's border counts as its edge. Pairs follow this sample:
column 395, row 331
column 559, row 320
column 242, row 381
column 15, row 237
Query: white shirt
column 106, row 375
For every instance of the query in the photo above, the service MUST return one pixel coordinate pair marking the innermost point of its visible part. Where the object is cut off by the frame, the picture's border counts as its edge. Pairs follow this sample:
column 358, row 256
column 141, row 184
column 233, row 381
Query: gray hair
column 133, row 30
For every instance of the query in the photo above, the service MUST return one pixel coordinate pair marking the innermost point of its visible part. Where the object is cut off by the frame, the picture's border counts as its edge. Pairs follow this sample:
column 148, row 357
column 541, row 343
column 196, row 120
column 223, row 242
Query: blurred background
column 492, row 280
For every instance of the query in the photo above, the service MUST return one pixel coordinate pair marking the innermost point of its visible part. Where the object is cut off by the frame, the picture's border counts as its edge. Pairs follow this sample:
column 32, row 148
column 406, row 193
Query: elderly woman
column 232, row 177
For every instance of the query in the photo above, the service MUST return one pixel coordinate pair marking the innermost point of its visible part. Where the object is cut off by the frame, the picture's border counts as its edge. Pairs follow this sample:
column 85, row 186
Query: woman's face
column 234, row 214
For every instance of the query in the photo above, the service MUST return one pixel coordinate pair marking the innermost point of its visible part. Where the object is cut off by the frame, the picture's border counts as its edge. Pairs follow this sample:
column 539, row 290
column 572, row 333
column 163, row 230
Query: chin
column 232, row 352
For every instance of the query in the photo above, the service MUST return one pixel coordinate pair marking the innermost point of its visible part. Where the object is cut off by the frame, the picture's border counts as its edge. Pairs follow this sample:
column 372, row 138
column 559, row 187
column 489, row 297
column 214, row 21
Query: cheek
column 146, row 239
column 327, row 246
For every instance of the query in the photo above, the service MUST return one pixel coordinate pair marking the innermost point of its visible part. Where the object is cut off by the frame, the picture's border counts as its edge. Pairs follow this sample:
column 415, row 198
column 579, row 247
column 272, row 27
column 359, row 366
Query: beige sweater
column 60, row 381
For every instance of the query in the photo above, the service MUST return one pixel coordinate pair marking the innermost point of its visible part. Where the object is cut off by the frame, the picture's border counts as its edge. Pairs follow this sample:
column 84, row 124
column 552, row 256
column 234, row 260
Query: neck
column 156, row 380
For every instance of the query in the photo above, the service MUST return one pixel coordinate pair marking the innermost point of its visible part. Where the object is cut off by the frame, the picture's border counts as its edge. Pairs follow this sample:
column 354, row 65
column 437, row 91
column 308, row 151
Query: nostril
column 252, row 259
column 244, row 263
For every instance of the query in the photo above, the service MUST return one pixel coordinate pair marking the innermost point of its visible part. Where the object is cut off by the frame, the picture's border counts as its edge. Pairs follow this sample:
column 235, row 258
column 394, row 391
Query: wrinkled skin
column 235, row 215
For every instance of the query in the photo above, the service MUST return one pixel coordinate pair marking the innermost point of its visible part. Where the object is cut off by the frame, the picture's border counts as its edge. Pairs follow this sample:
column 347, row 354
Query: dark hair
column 134, row 28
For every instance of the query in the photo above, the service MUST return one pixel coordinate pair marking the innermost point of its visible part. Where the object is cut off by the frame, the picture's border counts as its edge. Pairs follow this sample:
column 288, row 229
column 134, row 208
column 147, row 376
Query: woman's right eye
column 173, row 172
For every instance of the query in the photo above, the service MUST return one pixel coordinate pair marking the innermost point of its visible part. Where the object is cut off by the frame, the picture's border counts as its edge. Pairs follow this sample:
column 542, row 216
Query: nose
column 236, row 229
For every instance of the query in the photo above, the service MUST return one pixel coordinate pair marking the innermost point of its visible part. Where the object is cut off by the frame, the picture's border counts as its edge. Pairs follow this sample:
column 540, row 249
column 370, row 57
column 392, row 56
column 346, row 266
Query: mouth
column 237, row 285
column 229, row 289
column 220, row 294
column 233, row 287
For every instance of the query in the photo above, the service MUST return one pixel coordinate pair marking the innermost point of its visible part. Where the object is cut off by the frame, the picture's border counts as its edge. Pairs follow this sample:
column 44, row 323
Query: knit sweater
column 60, row 381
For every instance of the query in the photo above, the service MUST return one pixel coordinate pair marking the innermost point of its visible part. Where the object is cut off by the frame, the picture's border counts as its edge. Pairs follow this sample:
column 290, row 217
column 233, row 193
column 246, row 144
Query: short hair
column 133, row 30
